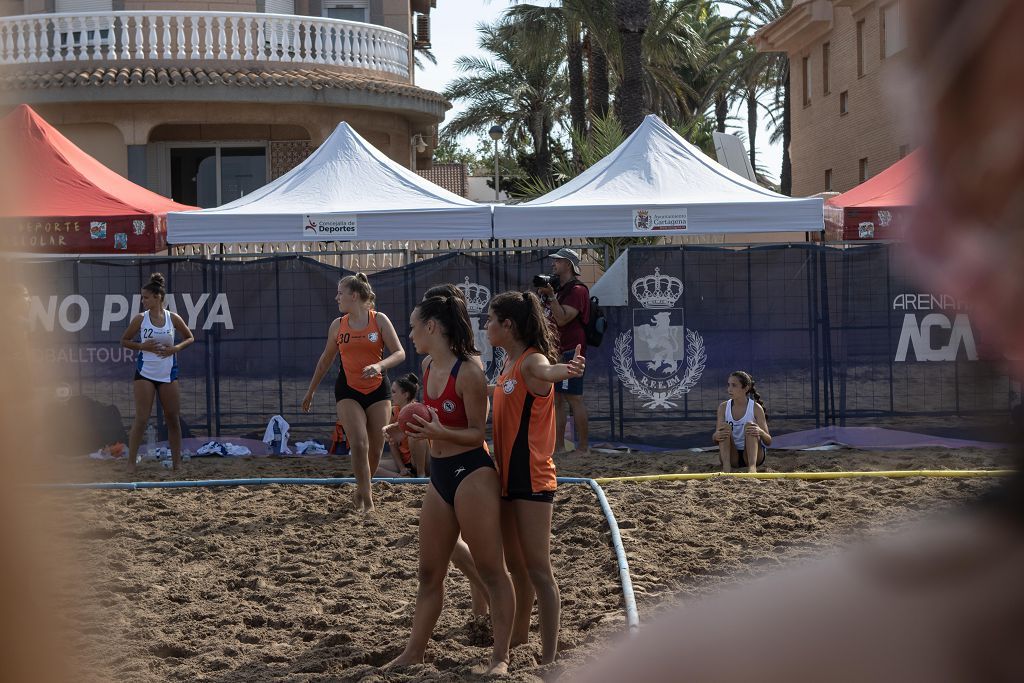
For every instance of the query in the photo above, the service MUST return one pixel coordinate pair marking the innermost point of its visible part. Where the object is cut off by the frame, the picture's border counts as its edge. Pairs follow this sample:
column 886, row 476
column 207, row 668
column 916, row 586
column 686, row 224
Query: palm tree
column 707, row 73
column 631, row 19
column 597, row 77
column 668, row 44
column 523, row 87
column 770, row 71
column 560, row 23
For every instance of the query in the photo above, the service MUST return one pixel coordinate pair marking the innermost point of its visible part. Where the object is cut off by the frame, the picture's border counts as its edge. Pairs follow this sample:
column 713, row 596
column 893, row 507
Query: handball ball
column 405, row 416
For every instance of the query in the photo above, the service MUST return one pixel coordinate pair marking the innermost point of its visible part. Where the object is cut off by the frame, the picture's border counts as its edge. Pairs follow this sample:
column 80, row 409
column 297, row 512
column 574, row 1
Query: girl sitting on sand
column 524, row 440
column 742, row 432
column 463, row 494
column 409, row 457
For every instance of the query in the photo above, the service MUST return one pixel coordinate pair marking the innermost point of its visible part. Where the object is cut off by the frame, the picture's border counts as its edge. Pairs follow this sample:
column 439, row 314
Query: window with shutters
column 87, row 33
column 861, row 68
column 349, row 10
column 891, row 30
column 281, row 38
column 826, row 55
column 69, row 6
column 807, row 80
column 280, row 6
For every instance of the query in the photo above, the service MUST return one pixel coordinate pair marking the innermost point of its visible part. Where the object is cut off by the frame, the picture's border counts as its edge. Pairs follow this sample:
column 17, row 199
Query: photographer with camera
column 567, row 306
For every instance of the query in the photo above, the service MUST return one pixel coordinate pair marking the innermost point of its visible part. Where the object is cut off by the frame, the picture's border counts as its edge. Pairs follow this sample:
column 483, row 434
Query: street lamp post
column 496, row 133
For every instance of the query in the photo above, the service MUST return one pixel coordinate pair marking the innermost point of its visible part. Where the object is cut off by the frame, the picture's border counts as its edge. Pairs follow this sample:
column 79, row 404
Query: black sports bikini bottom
column 447, row 473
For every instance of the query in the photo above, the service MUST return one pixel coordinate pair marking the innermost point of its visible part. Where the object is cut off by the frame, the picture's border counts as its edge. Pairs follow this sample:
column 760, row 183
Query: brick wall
column 822, row 137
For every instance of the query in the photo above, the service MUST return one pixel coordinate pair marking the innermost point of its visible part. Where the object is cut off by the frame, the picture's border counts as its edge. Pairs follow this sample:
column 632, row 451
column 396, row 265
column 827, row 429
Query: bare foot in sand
column 362, row 505
column 404, row 659
column 491, row 669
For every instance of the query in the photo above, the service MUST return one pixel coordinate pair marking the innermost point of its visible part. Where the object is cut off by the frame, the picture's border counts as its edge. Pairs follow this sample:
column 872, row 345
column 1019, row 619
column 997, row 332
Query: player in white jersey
column 742, row 432
column 151, row 334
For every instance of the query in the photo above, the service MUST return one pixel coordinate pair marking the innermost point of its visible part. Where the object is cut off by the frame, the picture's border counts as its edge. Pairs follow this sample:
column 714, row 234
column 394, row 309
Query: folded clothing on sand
column 310, row 448
column 225, row 449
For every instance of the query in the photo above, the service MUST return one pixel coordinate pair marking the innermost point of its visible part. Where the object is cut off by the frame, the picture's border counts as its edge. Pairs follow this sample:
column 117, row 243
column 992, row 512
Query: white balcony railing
column 191, row 37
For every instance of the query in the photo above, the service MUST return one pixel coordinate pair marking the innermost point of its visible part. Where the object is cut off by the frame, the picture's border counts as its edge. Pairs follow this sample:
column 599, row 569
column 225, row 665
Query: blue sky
column 453, row 28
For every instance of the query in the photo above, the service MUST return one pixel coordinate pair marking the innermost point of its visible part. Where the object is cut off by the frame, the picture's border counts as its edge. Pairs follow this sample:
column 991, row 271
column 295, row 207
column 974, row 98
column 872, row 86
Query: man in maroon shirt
column 567, row 305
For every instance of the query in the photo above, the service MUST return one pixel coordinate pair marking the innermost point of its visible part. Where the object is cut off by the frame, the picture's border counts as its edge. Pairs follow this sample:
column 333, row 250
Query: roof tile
column 317, row 78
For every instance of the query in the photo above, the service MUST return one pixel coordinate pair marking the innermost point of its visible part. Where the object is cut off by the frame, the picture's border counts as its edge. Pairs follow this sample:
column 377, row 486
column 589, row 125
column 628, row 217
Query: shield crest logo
column 659, row 341
column 659, row 360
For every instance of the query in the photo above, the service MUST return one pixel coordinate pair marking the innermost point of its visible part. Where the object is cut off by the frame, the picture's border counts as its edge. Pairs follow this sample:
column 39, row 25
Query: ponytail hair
column 747, row 382
column 529, row 324
column 359, row 284
column 155, row 286
column 451, row 313
column 447, row 289
column 410, row 384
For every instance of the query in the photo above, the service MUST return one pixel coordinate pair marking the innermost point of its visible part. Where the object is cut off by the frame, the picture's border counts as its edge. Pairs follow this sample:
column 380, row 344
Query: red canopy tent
column 64, row 201
column 878, row 207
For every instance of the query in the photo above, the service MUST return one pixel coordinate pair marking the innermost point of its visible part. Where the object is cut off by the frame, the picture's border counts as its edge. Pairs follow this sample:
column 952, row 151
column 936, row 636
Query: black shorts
column 342, row 391
column 761, row 451
column 138, row 376
column 541, row 497
column 572, row 386
column 447, row 473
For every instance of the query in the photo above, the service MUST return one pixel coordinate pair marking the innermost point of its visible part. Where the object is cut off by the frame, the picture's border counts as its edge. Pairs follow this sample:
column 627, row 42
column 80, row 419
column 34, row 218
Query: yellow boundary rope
column 817, row 476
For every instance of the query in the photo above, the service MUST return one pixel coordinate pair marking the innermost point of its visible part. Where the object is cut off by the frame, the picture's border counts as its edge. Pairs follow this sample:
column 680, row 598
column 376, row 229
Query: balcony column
column 137, row 166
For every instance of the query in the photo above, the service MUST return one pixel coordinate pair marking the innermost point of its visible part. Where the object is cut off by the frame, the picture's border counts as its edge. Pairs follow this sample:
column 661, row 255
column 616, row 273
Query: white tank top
column 738, row 437
column 150, row 365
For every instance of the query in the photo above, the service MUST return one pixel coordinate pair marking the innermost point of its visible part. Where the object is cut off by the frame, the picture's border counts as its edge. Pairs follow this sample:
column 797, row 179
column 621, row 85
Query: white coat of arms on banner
column 659, row 360
column 477, row 298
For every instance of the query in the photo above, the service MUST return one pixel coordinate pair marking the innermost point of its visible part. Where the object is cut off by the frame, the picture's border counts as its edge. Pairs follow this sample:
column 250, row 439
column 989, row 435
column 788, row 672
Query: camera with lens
column 543, row 281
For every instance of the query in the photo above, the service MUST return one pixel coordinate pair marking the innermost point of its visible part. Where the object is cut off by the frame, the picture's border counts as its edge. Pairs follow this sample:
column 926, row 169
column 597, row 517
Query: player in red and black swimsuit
column 463, row 492
column 362, row 392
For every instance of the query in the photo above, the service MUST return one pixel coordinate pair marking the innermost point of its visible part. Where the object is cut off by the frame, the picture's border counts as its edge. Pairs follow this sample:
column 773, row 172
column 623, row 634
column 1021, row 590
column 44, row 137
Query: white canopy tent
column 612, row 288
column 346, row 190
column 654, row 184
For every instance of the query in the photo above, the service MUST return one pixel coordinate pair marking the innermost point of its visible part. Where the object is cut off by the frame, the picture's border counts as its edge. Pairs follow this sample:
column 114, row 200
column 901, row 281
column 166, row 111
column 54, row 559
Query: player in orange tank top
column 362, row 393
column 524, row 441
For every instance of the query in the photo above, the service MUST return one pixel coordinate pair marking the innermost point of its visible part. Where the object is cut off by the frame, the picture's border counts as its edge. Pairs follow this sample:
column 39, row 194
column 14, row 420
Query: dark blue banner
column 831, row 336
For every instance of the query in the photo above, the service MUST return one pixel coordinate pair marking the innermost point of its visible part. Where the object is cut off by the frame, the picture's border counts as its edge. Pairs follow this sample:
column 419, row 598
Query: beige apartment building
column 207, row 100
column 844, row 59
